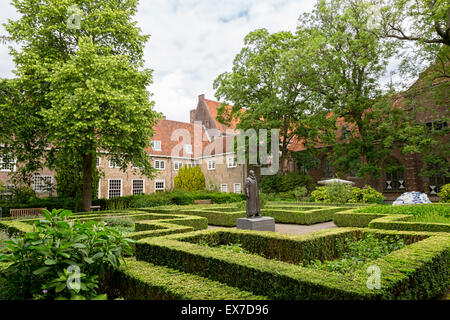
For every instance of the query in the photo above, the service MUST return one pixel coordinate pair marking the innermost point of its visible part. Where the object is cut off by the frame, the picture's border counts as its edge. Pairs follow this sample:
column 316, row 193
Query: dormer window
column 156, row 145
column 187, row 148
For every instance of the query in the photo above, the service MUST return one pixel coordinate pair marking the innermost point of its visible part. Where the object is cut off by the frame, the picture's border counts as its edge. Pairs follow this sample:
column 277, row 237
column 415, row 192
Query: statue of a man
column 251, row 193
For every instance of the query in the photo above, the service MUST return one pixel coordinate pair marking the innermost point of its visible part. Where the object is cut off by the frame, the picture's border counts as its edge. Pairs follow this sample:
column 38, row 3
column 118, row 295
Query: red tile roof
column 182, row 133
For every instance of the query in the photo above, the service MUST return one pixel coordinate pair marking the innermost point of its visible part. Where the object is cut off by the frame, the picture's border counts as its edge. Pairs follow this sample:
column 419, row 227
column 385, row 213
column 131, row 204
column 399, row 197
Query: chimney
column 164, row 117
column 201, row 97
column 192, row 115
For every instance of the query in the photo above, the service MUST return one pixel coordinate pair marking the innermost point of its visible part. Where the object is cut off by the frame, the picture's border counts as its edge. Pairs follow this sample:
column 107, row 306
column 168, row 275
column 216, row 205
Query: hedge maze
column 226, row 215
column 391, row 220
column 176, row 258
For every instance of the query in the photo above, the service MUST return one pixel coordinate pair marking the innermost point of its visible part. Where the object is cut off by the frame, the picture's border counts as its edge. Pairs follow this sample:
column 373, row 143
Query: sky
column 192, row 42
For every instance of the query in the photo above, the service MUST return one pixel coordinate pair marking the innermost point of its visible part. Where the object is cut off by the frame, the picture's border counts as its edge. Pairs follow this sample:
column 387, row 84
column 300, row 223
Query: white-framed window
column 156, row 145
column 41, row 183
column 160, row 185
column 99, row 191
column 187, row 148
column 114, row 188
column 160, row 164
column 224, row 187
column 237, row 188
column 7, row 163
column 138, row 186
column 113, row 164
column 177, row 165
column 98, row 162
column 231, row 162
column 211, row 165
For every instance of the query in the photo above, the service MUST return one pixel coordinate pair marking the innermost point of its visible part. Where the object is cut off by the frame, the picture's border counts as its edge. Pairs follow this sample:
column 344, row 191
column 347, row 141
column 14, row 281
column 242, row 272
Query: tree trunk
column 87, row 181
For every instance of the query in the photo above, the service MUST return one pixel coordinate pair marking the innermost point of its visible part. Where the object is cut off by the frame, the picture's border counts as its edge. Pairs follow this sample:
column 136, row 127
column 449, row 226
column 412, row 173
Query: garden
column 169, row 252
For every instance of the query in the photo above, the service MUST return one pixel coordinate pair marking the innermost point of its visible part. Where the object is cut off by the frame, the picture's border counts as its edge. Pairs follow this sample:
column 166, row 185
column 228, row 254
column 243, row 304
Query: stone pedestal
column 257, row 223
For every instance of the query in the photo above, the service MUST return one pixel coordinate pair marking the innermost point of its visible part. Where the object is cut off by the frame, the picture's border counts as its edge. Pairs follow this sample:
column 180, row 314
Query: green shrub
column 444, row 193
column 420, row 270
column 285, row 183
column 343, row 193
column 357, row 253
column 370, row 195
column 300, row 193
column 339, row 192
column 190, row 179
column 320, row 194
column 44, row 262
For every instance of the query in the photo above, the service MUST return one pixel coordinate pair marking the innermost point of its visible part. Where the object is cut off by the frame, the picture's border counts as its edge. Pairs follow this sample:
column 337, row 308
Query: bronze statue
column 251, row 193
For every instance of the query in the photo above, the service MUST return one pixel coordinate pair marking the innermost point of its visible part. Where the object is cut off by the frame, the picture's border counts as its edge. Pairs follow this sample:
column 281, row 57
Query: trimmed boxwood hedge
column 226, row 216
column 421, row 270
column 147, row 224
column 138, row 280
column 388, row 221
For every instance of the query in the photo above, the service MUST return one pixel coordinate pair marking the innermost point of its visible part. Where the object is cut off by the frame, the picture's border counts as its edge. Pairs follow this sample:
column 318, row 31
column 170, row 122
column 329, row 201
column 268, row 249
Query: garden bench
column 209, row 201
column 93, row 208
column 14, row 213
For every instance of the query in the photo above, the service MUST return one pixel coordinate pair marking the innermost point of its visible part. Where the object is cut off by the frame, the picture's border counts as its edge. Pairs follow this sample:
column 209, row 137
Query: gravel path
column 296, row 229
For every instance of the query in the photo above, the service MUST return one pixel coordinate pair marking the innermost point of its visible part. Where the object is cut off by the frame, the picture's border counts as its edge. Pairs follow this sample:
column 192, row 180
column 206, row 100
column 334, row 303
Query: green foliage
column 23, row 194
column 444, row 193
column 427, row 22
column 285, row 182
column 167, row 198
column 424, row 217
column 300, row 193
column 190, row 179
column 156, row 282
column 69, row 173
column 366, row 195
column 85, row 94
column 348, row 62
column 278, row 276
column 357, row 253
column 49, row 202
column 344, row 193
column 268, row 80
column 320, row 194
column 43, row 262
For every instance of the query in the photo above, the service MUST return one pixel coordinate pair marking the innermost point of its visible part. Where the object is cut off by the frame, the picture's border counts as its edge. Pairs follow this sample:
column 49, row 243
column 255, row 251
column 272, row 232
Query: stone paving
column 296, row 229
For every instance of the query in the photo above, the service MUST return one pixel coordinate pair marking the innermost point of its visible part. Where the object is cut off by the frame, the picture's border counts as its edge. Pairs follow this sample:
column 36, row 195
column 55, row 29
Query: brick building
column 174, row 145
column 206, row 143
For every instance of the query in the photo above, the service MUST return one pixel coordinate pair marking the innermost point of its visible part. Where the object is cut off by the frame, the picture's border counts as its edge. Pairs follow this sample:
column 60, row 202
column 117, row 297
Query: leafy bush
column 285, row 183
column 300, row 193
column 343, row 193
column 49, row 203
column 320, row 194
column 62, row 259
column 444, row 194
column 190, row 179
column 357, row 253
column 339, row 192
column 168, row 198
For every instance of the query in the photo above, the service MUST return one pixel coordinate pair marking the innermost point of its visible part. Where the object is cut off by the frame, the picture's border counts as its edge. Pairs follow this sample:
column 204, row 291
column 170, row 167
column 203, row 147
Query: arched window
column 327, row 168
column 395, row 179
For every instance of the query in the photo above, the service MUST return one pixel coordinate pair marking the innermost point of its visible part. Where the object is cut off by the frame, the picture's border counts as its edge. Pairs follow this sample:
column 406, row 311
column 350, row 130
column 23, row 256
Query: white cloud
column 192, row 42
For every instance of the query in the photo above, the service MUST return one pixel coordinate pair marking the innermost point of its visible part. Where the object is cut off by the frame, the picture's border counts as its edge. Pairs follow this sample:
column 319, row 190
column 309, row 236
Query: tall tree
column 346, row 70
column 80, row 64
column 267, row 90
column 424, row 23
